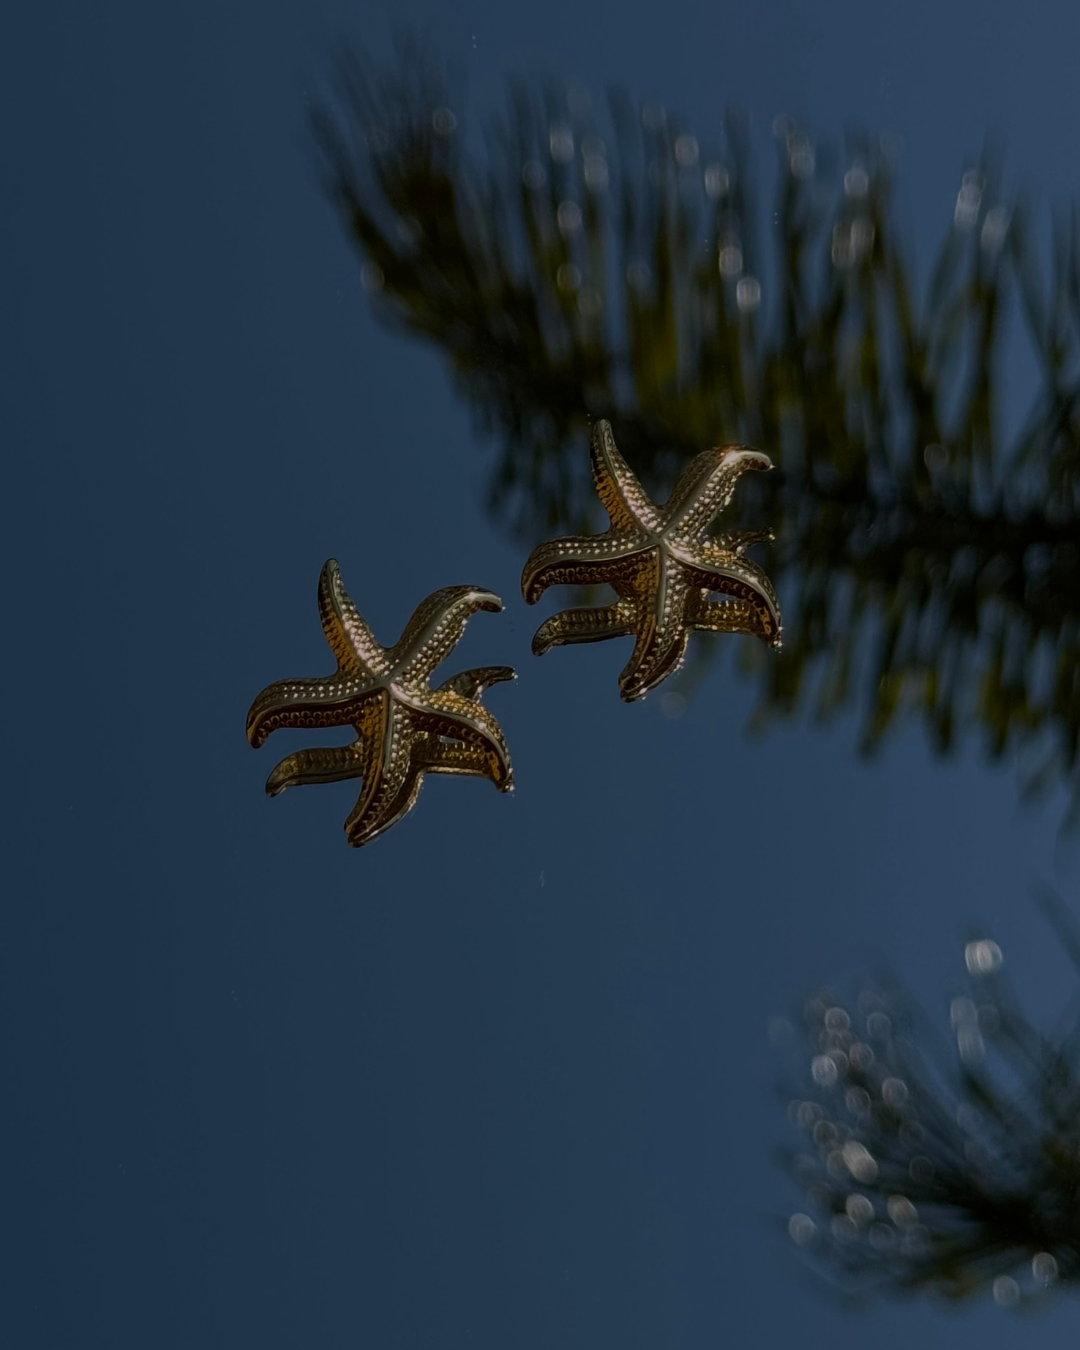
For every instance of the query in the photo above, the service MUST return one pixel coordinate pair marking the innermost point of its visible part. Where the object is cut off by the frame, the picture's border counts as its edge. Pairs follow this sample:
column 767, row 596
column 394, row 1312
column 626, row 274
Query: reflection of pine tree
column 566, row 279
column 929, row 1171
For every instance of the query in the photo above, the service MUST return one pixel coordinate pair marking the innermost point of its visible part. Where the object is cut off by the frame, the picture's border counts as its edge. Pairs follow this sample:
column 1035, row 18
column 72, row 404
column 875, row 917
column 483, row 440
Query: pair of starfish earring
column 658, row 559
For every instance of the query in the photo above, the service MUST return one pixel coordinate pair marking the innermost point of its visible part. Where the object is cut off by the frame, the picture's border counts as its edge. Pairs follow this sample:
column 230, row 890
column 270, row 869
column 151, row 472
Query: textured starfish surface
column 404, row 728
column 662, row 563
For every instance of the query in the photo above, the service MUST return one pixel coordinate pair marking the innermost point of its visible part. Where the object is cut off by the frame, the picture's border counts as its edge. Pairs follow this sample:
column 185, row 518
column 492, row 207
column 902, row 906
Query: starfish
column 404, row 728
column 662, row 564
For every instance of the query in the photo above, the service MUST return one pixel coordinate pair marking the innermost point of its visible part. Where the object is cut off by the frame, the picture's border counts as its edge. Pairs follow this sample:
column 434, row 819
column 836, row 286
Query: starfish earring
column 661, row 563
column 404, row 728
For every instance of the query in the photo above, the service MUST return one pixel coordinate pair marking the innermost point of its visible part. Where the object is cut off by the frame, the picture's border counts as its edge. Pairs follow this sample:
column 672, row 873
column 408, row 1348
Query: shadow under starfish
column 662, row 564
column 405, row 728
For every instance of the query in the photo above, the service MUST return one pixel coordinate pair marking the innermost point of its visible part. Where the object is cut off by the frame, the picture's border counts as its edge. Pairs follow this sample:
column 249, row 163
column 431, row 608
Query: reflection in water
column 569, row 277
column 947, row 1171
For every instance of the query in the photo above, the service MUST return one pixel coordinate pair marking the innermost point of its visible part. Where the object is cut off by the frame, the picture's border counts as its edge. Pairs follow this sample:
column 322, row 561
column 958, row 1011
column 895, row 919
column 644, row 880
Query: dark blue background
column 502, row 1079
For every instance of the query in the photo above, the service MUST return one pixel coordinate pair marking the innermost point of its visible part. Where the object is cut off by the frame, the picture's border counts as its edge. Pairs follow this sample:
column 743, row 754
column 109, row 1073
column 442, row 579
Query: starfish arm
column 331, row 702
column 625, row 500
column 350, row 639
column 471, row 684
column 391, row 780
column 738, row 541
column 580, row 560
column 657, row 654
column 436, row 628
column 439, row 756
column 716, row 568
column 706, row 486
column 662, row 634
column 370, row 818
column 331, row 764
column 585, row 625
column 724, row 616
column 446, row 713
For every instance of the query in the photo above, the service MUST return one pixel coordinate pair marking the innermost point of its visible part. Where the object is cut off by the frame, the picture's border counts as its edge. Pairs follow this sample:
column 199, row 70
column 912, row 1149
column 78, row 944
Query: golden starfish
column 661, row 563
column 404, row 727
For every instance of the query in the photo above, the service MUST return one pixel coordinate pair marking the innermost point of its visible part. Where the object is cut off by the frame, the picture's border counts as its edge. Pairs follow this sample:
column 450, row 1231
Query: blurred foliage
column 921, row 558
column 935, row 1170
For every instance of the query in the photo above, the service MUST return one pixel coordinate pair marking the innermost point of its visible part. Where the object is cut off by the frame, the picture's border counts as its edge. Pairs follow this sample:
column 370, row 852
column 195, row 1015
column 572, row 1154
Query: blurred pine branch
column 954, row 1171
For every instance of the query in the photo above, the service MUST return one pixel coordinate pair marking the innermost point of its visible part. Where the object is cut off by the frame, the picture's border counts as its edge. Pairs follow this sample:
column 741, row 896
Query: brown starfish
column 404, row 727
column 661, row 563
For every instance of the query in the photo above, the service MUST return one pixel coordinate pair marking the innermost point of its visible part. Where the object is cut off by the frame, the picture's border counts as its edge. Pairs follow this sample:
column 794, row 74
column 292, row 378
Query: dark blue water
column 502, row 1079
